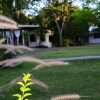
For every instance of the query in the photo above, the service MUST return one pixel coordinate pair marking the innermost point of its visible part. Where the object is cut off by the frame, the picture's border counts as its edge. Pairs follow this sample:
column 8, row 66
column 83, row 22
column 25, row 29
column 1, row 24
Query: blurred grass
column 79, row 77
column 71, row 52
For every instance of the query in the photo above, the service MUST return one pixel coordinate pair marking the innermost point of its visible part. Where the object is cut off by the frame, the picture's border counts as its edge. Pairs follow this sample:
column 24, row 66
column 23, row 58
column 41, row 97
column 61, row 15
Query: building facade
column 94, row 35
column 15, row 37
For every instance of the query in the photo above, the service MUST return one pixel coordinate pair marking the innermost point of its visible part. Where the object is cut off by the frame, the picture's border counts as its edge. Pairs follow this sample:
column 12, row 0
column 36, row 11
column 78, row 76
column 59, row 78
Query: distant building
column 94, row 35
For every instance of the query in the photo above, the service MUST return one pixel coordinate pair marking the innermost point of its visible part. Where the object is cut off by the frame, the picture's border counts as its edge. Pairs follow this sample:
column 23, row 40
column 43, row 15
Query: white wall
column 33, row 44
column 93, row 40
column 48, row 44
column 37, row 42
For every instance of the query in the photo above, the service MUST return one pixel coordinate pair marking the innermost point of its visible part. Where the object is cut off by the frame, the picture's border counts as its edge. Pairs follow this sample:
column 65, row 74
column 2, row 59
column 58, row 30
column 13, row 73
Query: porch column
column 17, row 34
column 8, row 36
column 29, row 40
column 23, row 40
column 37, row 40
column 7, row 40
column 46, row 38
column 12, row 37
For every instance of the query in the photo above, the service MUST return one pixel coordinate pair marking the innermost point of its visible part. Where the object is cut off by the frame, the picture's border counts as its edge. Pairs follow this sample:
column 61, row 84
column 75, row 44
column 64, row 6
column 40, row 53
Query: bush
column 4, row 56
column 2, row 51
column 67, row 42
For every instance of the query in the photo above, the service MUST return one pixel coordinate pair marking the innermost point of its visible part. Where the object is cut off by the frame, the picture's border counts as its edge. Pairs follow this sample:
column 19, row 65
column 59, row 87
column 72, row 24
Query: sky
column 42, row 4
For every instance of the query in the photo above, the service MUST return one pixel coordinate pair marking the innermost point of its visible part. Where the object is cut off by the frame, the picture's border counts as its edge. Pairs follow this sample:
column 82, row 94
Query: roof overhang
column 28, row 27
column 95, row 31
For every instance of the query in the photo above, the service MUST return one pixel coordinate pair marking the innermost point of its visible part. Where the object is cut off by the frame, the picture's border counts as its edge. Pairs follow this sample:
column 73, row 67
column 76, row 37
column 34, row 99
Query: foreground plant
column 17, row 61
column 13, row 49
column 67, row 97
column 24, row 87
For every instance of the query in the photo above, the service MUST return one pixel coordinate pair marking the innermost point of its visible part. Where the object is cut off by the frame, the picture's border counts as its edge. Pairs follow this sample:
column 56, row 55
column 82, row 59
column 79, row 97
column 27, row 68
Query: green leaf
column 22, row 89
column 20, row 83
column 27, row 94
column 30, row 83
column 25, row 79
column 29, row 75
column 27, row 89
column 24, row 75
column 17, row 95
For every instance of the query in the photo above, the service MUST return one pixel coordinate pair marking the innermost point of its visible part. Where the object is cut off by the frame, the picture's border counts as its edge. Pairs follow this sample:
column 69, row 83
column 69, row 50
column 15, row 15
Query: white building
column 15, row 36
column 94, row 35
column 36, row 40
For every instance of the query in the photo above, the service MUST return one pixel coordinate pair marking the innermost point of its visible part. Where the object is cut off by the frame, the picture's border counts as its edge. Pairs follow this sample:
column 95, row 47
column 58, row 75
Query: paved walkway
column 65, row 59
column 72, row 58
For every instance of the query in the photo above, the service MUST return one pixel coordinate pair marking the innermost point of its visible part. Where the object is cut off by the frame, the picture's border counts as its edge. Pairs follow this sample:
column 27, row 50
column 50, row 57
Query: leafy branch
column 24, row 87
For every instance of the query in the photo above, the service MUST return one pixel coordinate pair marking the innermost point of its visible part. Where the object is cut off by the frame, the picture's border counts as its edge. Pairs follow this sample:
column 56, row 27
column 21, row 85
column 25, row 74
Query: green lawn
column 70, row 51
column 79, row 77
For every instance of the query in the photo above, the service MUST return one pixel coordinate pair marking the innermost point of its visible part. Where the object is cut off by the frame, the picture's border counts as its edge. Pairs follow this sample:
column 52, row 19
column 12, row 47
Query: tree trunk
column 73, row 39
column 60, row 32
column 60, row 37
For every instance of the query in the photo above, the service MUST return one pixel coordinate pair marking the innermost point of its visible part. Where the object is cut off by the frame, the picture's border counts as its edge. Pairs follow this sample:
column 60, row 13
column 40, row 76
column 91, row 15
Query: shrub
column 24, row 87
column 4, row 56
column 67, row 42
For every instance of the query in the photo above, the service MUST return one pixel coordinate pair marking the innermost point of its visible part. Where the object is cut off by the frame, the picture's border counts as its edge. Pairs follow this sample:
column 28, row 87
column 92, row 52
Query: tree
column 82, row 19
column 60, row 12
column 12, row 8
column 56, row 15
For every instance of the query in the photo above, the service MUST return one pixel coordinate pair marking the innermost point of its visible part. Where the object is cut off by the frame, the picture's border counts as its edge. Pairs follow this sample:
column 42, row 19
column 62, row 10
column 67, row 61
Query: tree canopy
column 66, row 19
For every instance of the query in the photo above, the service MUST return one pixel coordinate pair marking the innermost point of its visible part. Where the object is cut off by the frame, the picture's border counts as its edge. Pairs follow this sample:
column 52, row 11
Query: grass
column 6, row 75
column 70, row 52
column 78, row 77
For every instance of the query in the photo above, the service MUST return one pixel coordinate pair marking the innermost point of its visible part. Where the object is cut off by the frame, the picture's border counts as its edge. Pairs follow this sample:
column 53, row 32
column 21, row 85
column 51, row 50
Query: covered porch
column 13, row 37
column 16, row 36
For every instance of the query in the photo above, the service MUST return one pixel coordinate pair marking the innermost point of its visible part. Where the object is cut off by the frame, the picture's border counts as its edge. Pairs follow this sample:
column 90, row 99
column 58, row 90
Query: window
column 32, row 38
column 51, row 38
column 42, row 38
column 96, row 36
